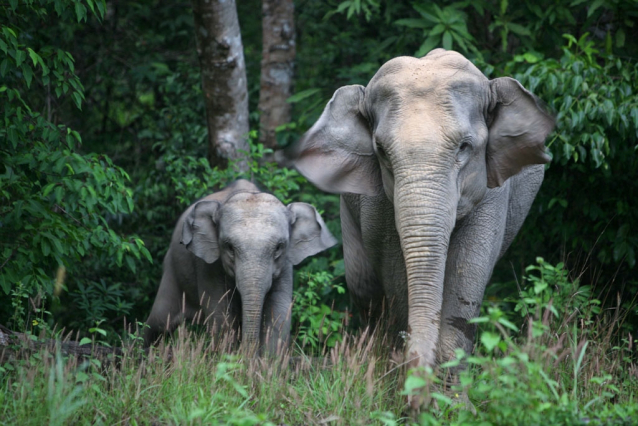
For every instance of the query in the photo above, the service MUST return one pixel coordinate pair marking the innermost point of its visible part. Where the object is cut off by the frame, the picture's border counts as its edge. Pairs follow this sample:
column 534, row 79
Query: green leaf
column 5, row 284
column 35, row 58
column 45, row 246
column 20, row 56
column 490, row 340
column 518, row 29
column 131, row 263
column 620, row 38
column 595, row 5
column 80, row 11
column 438, row 29
column 302, row 95
column 77, row 99
column 27, row 72
column 425, row 13
column 58, row 246
column 413, row 384
column 47, row 189
column 413, row 23
column 146, row 254
column 429, row 44
column 447, row 40
column 91, row 5
column 508, row 324
column 446, row 400
column 504, row 4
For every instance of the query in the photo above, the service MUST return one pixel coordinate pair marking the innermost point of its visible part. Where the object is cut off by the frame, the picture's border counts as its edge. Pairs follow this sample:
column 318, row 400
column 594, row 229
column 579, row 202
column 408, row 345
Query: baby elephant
column 232, row 254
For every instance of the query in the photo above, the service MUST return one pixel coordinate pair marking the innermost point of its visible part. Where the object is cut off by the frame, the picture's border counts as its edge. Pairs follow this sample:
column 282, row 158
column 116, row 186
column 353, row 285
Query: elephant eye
column 464, row 146
column 229, row 248
column 380, row 151
column 279, row 249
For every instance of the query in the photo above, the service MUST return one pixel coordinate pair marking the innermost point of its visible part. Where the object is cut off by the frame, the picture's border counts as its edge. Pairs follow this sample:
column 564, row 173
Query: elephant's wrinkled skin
column 232, row 255
column 437, row 167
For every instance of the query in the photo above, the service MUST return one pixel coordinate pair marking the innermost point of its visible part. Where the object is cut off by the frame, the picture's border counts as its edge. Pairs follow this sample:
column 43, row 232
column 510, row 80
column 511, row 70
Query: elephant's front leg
column 474, row 248
column 218, row 301
column 275, row 332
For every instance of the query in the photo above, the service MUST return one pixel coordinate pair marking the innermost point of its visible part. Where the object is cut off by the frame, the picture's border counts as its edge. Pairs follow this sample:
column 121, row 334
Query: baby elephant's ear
column 308, row 233
column 199, row 233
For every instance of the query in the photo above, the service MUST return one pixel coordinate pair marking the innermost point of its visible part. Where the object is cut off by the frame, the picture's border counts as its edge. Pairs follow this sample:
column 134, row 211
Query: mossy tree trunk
column 221, row 57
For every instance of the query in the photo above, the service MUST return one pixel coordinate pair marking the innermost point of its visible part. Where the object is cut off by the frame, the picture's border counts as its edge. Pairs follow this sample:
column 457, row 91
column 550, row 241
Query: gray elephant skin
column 230, row 265
column 437, row 168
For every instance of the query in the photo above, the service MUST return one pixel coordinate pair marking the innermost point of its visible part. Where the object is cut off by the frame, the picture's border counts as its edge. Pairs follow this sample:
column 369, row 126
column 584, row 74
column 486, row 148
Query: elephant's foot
column 424, row 400
column 420, row 353
column 450, row 387
column 460, row 400
column 426, row 397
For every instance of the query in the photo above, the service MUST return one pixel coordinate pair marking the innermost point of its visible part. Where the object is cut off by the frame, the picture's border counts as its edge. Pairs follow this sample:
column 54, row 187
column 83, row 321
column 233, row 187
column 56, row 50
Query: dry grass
column 564, row 367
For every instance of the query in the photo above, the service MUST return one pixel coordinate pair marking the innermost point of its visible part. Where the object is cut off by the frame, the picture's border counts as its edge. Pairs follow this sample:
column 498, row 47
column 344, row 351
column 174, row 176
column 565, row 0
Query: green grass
column 194, row 382
column 558, row 358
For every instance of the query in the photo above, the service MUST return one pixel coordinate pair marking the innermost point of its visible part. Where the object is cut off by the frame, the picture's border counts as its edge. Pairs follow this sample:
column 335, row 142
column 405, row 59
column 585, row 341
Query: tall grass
column 557, row 359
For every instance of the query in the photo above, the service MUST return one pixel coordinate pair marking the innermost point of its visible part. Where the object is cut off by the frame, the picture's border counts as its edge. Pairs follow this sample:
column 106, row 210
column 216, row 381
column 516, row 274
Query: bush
column 57, row 201
column 566, row 363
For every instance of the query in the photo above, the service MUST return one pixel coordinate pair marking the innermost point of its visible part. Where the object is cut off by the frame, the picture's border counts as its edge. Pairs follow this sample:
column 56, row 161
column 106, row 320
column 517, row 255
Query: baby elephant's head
column 258, row 239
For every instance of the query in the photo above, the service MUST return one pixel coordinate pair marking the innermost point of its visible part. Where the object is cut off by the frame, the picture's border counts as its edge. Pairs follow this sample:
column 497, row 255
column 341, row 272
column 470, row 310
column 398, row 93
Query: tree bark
column 221, row 58
column 278, row 56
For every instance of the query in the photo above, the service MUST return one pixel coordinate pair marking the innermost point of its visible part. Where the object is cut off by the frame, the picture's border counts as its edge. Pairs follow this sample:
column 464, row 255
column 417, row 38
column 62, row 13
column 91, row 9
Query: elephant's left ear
column 517, row 132
column 308, row 233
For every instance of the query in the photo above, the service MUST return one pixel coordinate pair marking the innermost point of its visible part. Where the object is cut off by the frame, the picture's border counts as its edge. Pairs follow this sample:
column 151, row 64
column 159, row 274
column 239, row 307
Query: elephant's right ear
column 308, row 233
column 336, row 154
column 199, row 233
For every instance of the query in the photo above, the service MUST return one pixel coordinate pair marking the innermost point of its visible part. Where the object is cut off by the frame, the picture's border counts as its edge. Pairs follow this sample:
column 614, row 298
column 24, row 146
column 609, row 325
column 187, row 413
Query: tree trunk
column 221, row 58
column 277, row 62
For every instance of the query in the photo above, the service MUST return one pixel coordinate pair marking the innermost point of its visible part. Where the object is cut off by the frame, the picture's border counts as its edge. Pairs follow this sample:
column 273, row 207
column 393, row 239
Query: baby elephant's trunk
column 252, row 300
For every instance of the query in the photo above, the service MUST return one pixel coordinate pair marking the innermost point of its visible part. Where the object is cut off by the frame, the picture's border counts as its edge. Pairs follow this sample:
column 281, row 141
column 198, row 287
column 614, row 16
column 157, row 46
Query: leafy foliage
column 318, row 323
column 566, row 374
column 547, row 371
column 56, row 200
column 442, row 27
column 584, row 206
column 142, row 114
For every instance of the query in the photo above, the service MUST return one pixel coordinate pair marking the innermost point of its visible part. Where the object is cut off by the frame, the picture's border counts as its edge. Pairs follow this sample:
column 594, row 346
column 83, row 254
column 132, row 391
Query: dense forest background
column 104, row 142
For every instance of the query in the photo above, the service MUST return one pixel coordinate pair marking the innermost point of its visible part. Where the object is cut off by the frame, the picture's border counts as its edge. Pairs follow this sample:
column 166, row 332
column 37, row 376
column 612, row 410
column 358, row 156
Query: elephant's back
column 523, row 189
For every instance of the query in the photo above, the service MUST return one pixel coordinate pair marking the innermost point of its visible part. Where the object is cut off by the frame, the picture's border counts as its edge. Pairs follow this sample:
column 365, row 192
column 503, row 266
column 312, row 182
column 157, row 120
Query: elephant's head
column 256, row 238
column 433, row 134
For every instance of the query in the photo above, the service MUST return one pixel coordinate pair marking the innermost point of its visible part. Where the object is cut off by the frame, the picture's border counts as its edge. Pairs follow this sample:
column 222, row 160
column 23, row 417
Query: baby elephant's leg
column 277, row 311
column 168, row 311
column 219, row 302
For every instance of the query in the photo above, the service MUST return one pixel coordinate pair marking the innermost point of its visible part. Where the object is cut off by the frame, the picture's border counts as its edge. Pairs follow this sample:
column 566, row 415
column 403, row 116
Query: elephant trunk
column 425, row 209
column 252, row 286
column 251, row 321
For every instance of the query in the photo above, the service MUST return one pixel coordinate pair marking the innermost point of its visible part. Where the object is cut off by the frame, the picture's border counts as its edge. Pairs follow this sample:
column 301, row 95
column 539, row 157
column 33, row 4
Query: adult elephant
column 437, row 167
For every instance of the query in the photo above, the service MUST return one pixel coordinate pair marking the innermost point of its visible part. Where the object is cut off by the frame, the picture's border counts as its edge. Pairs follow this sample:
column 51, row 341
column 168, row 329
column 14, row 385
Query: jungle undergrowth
column 557, row 358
